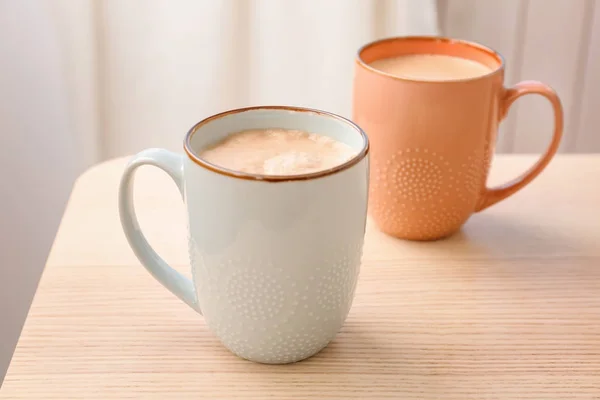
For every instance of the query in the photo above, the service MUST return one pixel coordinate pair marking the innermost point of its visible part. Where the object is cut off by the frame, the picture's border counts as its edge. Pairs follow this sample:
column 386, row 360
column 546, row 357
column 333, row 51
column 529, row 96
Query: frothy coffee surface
column 278, row 152
column 431, row 67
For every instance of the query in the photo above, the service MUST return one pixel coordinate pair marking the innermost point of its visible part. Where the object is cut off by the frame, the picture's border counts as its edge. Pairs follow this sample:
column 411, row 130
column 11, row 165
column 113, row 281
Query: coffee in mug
column 278, row 152
column 431, row 67
column 275, row 253
column 431, row 107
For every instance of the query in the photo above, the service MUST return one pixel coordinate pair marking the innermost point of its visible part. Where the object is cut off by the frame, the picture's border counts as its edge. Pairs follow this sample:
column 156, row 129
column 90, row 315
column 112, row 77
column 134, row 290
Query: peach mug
column 432, row 141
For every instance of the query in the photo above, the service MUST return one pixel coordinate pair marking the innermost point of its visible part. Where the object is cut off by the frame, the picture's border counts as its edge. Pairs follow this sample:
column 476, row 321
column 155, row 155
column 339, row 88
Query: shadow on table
column 358, row 364
column 487, row 235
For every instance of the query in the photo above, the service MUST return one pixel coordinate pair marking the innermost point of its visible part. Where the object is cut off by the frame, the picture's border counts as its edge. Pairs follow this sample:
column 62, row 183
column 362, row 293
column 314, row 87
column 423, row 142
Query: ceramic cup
column 274, row 259
column 432, row 141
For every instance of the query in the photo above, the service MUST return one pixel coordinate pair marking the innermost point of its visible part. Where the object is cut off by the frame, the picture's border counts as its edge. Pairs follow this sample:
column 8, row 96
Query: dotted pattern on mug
column 276, row 314
column 254, row 294
column 425, row 195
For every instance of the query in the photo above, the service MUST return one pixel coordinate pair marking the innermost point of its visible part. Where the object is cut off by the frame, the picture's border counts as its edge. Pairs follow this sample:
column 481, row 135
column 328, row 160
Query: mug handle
column 172, row 164
column 494, row 195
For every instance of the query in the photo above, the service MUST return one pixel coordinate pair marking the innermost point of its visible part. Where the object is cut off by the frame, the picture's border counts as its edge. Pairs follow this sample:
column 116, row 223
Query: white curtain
column 139, row 73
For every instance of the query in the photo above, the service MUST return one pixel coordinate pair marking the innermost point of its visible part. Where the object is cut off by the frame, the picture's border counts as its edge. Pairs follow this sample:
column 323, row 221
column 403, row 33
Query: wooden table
column 509, row 308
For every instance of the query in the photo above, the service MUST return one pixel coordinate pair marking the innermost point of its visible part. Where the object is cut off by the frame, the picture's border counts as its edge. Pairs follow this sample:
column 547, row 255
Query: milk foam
column 278, row 152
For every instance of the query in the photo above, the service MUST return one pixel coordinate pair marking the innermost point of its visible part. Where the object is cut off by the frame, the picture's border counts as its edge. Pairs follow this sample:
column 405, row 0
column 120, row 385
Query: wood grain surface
column 508, row 308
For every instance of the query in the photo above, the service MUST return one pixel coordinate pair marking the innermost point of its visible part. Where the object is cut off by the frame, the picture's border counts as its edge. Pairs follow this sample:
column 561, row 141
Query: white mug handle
column 172, row 164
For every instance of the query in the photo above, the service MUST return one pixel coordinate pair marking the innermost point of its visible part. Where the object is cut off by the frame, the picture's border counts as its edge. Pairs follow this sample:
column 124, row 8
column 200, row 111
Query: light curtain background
column 87, row 80
column 140, row 73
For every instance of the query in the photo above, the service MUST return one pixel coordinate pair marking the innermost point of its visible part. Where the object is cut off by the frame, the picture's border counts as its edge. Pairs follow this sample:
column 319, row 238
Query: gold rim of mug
column 457, row 42
column 275, row 178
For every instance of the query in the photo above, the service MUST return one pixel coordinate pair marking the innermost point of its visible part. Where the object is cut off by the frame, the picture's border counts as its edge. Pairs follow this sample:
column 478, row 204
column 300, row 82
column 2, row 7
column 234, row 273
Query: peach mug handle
column 494, row 195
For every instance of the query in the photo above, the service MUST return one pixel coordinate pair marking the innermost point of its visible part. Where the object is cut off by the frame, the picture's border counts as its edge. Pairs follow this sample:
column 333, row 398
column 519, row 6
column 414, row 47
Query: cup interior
column 401, row 46
column 325, row 124
column 214, row 129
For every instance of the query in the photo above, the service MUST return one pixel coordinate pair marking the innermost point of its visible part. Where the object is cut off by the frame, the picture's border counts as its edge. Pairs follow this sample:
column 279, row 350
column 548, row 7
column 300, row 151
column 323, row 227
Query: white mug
column 274, row 259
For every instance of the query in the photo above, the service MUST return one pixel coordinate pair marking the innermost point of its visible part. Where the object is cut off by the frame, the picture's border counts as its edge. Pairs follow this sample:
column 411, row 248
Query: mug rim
column 432, row 38
column 192, row 155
